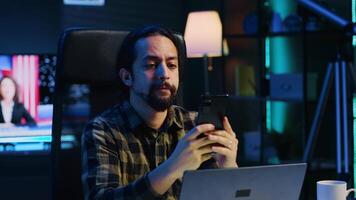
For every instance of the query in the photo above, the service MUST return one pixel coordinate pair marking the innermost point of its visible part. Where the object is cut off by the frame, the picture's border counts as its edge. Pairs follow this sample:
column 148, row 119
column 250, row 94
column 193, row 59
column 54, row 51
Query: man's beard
column 161, row 104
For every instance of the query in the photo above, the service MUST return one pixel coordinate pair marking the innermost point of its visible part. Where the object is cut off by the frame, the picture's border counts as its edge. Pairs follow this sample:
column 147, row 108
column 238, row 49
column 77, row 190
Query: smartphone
column 212, row 110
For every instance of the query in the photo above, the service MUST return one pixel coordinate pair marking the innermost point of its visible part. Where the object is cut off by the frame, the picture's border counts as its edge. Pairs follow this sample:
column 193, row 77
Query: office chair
column 86, row 84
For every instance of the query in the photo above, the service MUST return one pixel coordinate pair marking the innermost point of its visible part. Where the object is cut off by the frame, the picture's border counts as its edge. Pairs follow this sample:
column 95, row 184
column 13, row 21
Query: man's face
column 155, row 71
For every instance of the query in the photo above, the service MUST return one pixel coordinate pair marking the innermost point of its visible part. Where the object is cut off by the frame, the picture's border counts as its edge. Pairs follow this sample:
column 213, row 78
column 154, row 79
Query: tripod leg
column 338, row 116
column 345, row 114
column 318, row 113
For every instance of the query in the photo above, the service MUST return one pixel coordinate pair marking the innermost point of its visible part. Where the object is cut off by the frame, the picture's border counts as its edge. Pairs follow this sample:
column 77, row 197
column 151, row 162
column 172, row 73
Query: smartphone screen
column 212, row 109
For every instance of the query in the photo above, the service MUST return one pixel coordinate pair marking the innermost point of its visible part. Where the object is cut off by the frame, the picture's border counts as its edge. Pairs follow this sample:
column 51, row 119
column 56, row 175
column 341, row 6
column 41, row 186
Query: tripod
column 336, row 71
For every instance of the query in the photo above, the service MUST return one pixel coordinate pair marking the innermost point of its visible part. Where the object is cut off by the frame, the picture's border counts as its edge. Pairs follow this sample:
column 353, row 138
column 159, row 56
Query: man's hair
column 127, row 53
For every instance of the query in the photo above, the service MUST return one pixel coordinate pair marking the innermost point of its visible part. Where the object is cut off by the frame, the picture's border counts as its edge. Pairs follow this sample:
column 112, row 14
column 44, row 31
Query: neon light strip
column 267, row 76
column 268, row 117
column 267, row 50
column 354, row 107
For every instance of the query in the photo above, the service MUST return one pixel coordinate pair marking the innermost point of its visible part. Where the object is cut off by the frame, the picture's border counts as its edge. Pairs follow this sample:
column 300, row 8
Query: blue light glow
column 268, row 117
column 268, row 56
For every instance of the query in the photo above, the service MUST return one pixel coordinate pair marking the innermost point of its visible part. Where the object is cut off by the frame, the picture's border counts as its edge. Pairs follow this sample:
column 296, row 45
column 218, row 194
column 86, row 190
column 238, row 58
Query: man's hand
column 191, row 150
column 227, row 150
column 189, row 153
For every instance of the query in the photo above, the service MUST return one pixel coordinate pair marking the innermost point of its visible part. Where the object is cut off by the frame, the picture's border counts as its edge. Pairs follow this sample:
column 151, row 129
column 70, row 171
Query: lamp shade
column 203, row 34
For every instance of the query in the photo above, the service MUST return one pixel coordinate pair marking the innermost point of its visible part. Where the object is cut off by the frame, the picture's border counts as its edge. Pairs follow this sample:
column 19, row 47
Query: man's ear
column 125, row 77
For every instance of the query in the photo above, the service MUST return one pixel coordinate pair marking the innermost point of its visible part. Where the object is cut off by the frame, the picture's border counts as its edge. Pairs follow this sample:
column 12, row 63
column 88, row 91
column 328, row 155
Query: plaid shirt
column 119, row 150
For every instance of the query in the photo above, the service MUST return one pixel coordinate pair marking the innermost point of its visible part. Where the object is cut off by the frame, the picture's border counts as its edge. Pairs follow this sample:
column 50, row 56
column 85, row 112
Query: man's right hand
column 191, row 151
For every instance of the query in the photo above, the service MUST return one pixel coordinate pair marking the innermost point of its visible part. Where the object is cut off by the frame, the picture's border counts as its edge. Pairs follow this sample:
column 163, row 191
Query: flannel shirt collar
column 135, row 121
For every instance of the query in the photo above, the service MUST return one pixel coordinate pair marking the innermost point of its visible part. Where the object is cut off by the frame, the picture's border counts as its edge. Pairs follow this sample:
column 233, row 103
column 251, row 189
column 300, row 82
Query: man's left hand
column 226, row 151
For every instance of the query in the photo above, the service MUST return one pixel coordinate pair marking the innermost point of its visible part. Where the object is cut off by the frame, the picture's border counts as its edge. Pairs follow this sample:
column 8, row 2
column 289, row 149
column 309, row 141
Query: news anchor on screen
column 12, row 111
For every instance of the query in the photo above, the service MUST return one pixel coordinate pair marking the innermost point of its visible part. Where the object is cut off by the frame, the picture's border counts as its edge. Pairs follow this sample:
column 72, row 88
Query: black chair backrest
column 86, row 57
column 89, row 56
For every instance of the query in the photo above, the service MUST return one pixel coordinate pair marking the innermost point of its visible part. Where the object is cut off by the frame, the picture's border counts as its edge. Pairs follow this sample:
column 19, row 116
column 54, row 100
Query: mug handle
column 350, row 190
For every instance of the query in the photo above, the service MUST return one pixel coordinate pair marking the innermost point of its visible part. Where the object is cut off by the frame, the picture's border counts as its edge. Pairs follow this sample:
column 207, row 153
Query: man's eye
column 172, row 66
column 151, row 66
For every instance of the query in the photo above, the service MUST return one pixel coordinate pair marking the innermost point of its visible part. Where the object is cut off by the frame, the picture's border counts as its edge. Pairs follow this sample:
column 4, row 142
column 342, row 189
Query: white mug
column 332, row 190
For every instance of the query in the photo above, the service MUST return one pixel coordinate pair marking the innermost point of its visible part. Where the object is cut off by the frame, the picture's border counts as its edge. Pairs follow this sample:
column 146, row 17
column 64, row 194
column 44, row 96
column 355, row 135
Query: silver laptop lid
column 271, row 182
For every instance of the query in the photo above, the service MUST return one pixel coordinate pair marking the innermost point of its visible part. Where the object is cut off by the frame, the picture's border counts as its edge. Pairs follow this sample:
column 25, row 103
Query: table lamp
column 203, row 37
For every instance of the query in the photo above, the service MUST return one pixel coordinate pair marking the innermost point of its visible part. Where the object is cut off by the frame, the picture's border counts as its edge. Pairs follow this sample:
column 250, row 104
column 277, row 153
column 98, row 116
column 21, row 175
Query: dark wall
column 34, row 26
column 29, row 26
column 123, row 14
column 25, row 176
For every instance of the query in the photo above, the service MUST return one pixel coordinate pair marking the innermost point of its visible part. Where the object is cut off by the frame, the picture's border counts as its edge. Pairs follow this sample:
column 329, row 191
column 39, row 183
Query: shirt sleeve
column 101, row 172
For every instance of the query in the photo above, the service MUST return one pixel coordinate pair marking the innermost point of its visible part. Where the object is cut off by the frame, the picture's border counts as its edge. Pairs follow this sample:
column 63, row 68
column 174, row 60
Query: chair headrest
column 89, row 56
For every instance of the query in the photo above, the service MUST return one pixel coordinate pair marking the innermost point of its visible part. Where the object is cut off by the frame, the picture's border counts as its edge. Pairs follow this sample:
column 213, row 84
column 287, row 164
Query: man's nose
column 162, row 71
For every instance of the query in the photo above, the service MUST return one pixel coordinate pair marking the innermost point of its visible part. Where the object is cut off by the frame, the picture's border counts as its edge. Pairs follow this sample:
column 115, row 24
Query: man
column 140, row 148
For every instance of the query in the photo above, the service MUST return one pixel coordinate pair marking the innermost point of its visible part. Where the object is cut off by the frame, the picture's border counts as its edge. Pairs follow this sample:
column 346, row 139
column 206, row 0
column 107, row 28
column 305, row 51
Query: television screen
column 26, row 102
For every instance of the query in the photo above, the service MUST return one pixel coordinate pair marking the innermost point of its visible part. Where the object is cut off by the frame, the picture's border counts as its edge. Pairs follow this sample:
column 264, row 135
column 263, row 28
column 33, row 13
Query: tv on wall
column 34, row 76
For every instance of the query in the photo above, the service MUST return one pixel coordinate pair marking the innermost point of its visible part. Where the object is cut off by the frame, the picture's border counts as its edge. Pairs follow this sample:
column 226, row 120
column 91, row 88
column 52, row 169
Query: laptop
column 271, row 182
